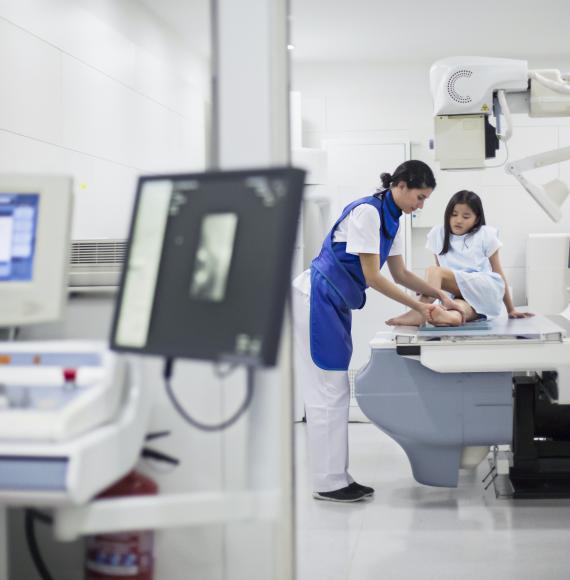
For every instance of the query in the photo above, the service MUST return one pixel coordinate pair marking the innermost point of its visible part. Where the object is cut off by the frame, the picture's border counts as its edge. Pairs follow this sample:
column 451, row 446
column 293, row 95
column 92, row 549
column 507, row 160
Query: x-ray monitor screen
column 208, row 265
column 18, row 225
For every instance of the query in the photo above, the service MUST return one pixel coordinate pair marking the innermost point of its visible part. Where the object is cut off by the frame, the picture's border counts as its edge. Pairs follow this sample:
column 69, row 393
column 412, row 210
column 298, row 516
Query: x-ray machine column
column 251, row 129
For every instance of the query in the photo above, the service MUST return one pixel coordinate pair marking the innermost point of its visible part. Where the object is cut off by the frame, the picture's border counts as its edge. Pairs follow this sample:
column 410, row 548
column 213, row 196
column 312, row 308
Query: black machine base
column 541, row 440
column 541, row 487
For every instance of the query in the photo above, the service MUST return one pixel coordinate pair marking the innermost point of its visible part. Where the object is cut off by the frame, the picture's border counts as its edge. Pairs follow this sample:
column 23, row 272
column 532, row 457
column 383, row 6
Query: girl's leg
column 327, row 398
column 444, row 278
column 440, row 278
column 412, row 317
column 442, row 317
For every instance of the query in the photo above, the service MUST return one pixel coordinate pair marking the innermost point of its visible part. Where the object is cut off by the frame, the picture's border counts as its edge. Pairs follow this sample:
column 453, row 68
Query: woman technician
column 364, row 238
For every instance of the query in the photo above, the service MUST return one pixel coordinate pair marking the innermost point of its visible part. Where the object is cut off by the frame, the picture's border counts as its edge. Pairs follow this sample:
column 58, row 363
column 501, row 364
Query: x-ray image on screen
column 214, row 256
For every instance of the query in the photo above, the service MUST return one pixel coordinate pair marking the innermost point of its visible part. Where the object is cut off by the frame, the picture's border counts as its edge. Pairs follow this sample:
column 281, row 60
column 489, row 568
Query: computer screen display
column 18, row 231
column 208, row 265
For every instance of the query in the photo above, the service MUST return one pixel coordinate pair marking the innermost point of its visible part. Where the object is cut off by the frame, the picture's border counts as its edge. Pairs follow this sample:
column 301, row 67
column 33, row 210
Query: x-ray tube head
column 464, row 85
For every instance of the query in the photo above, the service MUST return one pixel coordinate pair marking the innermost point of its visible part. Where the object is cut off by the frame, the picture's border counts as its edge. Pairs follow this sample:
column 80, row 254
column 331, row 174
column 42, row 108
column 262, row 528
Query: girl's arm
column 371, row 268
column 507, row 299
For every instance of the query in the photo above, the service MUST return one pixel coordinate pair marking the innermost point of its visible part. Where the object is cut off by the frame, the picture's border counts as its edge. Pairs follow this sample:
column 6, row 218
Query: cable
column 506, row 114
column 222, row 372
column 169, row 363
column 556, row 86
column 148, row 453
column 156, row 435
column 30, row 518
column 503, row 162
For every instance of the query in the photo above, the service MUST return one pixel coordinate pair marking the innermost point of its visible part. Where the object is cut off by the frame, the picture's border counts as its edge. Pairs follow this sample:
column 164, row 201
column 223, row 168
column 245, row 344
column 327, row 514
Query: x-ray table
column 437, row 391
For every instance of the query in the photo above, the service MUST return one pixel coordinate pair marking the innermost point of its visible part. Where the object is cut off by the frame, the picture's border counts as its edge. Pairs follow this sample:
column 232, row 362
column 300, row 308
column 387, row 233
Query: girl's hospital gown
column 468, row 259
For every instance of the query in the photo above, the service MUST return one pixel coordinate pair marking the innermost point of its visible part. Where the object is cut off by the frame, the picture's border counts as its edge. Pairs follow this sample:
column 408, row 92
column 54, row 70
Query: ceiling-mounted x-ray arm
column 551, row 195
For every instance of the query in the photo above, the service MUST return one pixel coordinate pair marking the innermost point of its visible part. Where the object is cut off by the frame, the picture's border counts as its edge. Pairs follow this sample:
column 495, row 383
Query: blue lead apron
column 338, row 286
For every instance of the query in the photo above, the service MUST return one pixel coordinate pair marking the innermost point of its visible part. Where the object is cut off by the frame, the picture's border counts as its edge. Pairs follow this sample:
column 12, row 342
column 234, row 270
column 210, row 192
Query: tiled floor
column 410, row 531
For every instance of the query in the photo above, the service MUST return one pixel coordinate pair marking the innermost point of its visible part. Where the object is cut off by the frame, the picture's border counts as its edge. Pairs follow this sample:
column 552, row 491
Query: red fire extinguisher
column 128, row 554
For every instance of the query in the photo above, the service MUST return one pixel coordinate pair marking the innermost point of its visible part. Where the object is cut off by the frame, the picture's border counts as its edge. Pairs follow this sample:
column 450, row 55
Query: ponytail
column 414, row 173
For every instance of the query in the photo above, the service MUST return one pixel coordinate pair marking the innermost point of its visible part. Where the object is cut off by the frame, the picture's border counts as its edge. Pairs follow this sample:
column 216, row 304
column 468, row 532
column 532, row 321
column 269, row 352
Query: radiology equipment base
column 541, row 440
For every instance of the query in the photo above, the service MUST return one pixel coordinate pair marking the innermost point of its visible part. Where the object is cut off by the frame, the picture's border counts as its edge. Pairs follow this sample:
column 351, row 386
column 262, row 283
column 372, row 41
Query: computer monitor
column 35, row 217
column 208, row 265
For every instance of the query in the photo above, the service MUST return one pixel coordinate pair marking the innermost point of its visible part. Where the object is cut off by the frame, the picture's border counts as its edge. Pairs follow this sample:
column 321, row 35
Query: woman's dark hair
column 415, row 174
column 474, row 202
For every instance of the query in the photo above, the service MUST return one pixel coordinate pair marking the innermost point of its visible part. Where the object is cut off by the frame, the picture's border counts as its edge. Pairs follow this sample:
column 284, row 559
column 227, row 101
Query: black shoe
column 346, row 494
column 364, row 488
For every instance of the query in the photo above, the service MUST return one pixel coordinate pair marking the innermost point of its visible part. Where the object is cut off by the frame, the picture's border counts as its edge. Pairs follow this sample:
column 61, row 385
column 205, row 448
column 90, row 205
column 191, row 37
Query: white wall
column 100, row 90
column 384, row 101
column 103, row 90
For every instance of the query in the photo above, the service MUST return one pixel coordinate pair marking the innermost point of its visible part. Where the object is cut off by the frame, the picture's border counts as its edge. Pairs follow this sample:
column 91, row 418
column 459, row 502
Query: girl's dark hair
column 474, row 202
column 415, row 174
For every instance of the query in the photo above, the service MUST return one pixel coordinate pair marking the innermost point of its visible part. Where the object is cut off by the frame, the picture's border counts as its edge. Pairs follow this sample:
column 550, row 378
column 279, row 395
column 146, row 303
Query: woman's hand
column 514, row 313
column 425, row 310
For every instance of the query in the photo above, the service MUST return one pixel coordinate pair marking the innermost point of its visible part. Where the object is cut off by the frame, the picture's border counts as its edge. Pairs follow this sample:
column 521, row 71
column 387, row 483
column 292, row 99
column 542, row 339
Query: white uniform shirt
column 360, row 229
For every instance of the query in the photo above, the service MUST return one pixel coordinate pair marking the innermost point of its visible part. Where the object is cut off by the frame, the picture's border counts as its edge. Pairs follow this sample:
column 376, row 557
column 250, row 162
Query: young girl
column 468, row 266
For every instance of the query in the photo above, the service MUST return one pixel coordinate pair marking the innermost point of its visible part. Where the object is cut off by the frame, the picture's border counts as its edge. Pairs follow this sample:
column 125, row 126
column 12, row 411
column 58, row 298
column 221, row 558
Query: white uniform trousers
column 327, row 398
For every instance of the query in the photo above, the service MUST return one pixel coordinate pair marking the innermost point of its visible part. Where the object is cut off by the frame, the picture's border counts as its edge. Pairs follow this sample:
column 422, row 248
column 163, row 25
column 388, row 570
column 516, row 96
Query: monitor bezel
column 41, row 299
column 269, row 356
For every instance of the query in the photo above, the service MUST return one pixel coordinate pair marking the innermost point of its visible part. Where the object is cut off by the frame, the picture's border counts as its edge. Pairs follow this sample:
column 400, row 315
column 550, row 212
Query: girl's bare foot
column 410, row 318
column 442, row 317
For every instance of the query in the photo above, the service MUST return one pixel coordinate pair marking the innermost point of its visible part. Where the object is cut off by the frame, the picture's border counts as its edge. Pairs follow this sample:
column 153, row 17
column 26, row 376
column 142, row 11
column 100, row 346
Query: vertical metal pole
column 214, row 154
column 250, row 122
column 251, row 83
